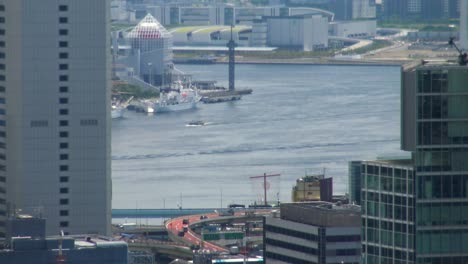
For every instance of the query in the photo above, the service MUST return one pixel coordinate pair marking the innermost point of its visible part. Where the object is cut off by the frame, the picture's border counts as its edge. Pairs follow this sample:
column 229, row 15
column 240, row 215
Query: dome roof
column 149, row 28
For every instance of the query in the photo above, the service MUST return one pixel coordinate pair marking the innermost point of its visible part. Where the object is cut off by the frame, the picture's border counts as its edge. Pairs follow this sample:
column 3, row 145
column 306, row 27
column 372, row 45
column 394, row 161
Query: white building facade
column 307, row 32
column 55, row 115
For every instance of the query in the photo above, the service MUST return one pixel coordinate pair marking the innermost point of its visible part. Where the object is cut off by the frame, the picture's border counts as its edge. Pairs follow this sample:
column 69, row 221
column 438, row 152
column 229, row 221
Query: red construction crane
column 264, row 176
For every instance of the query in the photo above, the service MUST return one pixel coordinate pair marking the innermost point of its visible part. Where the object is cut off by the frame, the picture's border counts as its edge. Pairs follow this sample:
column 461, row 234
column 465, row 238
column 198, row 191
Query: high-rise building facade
column 464, row 24
column 54, row 112
column 387, row 202
column 313, row 232
column 435, row 130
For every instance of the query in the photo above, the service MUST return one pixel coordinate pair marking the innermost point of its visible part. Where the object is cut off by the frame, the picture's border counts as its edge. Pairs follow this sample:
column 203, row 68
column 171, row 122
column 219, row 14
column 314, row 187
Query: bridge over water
column 163, row 213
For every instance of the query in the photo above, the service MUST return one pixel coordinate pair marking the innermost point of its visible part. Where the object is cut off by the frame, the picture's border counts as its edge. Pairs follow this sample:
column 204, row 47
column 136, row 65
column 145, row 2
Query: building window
column 2, row 111
column 63, row 190
column 63, row 167
column 63, row 89
column 62, row 20
column 64, row 224
column 2, row 32
column 63, row 123
column 63, row 201
column 2, row 66
column 63, row 67
column 2, row 134
column 63, row 78
column 63, row 156
column 63, row 8
column 2, row 145
column 63, row 179
column 63, row 112
column 2, row 156
column 63, row 212
column 2, row 8
column 63, row 134
column 39, row 123
column 63, row 100
column 63, row 32
column 2, row 78
column 63, row 145
column 63, row 55
column 2, row 55
column 2, row 43
column 63, row 44
column 2, row 122
column 89, row 122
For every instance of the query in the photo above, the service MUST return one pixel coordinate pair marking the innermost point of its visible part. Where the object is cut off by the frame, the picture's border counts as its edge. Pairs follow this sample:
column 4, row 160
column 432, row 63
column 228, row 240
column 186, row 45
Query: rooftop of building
column 149, row 28
column 395, row 160
column 433, row 64
column 311, row 178
column 74, row 242
column 322, row 214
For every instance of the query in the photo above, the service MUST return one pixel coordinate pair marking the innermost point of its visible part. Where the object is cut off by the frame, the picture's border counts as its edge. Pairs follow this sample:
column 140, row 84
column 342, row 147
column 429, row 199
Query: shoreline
column 311, row 61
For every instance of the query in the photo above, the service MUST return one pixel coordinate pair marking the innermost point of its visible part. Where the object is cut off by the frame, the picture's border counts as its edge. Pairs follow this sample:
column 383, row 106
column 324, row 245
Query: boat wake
column 244, row 149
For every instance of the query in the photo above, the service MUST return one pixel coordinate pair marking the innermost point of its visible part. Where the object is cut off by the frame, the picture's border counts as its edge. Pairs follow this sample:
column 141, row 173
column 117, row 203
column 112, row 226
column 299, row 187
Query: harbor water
column 300, row 119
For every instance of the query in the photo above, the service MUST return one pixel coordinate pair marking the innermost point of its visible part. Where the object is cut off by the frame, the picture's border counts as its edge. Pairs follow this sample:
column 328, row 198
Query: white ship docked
column 180, row 98
column 118, row 108
column 117, row 111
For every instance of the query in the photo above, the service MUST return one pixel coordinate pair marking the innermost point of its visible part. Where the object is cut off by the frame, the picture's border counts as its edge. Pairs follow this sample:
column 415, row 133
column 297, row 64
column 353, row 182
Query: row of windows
column 442, row 132
column 271, row 255
column 290, row 246
column 389, row 238
column 442, row 186
column 390, row 211
column 396, row 172
column 349, row 238
column 39, row 123
column 388, row 198
column 289, row 232
column 442, row 242
column 387, row 225
column 442, row 260
column 62, row 123
column 387, row 252
column 389, row 184
column 442, row 214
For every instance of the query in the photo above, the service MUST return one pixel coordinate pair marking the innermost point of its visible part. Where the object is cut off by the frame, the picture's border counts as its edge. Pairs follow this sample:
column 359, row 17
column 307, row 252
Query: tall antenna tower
column 232, row 64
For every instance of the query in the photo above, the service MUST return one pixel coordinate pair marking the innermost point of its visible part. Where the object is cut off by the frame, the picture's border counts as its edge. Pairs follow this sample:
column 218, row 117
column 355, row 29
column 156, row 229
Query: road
column 175, row 226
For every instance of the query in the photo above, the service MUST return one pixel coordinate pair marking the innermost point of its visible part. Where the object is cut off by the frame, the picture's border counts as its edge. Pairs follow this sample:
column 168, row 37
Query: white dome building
column 150, row 52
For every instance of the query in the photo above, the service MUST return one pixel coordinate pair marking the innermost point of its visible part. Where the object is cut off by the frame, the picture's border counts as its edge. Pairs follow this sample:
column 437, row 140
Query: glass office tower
column 435, row 129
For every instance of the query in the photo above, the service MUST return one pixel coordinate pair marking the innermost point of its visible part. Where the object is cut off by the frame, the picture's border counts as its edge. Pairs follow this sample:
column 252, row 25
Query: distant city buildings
column 427, row 10
column 302, row 32
column 316, row 232
column 313, row 188
column 54, row 114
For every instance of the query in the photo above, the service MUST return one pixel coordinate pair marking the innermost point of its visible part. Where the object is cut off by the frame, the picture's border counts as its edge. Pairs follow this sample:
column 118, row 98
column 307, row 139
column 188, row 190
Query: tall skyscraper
column 464, row 24
column 54, row 112
column 387, row 203
column 435, row 130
